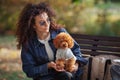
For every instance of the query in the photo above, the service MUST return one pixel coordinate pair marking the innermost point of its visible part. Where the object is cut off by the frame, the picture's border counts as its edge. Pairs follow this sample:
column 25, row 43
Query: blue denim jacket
column 34, row 57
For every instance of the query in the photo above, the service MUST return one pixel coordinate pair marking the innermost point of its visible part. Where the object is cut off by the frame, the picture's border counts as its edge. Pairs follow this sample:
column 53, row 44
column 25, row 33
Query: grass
column 8, row 41
column 10, row 65
column 14, row 75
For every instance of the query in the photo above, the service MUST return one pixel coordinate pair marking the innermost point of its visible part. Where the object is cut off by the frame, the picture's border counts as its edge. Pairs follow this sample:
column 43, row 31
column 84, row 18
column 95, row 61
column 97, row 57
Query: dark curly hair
column 25, row 30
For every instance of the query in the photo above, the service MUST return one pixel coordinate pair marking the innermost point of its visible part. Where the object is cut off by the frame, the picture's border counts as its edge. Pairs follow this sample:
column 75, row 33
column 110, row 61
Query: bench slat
column 110, row 49
column 91, row 37
column 94, row 53
column 101, row 43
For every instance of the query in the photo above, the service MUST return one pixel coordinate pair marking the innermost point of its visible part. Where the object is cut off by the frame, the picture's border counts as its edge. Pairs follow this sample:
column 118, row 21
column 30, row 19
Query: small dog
column 64, row 56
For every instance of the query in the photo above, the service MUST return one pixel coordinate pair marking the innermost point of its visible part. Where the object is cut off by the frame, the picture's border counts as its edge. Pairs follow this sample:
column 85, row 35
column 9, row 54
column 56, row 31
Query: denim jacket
column 34, row 57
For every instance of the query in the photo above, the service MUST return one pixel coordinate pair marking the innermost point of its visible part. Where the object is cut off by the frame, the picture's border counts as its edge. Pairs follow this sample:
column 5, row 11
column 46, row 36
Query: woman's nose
column 46, row 23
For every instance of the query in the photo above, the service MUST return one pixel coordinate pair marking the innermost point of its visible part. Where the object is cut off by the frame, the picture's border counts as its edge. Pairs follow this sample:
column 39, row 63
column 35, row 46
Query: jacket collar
column 53, row 34
column 37, row 43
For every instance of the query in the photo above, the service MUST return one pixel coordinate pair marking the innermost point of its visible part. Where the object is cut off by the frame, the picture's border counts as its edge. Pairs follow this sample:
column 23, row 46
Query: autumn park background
column 92, row 17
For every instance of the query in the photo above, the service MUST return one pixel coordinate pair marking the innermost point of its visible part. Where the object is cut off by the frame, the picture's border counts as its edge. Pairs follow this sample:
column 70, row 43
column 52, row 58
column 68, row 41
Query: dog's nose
column 65, row 45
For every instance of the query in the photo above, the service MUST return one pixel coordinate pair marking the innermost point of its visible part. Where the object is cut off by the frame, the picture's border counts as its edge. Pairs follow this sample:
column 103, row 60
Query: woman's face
column 42, row 23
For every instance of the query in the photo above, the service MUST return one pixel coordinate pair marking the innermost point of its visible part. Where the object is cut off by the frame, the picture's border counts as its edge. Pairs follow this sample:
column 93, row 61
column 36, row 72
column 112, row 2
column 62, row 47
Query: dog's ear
column 71, row 45
column 55, row 42
column 70, row 42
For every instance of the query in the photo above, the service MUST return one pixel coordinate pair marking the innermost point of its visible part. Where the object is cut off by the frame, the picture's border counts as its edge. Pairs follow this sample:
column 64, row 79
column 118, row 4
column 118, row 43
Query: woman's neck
column 43, row 36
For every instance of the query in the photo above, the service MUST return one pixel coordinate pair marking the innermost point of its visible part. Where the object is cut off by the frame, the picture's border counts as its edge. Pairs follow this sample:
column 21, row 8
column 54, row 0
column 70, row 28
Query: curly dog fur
column 64, row 41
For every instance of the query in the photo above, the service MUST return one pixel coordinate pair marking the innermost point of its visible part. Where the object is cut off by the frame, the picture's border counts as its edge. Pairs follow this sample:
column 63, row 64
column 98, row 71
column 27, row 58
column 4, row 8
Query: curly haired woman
column 35, row 33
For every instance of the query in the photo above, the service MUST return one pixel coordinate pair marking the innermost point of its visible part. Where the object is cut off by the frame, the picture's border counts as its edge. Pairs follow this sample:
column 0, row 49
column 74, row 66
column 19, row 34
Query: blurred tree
column 74, row 1
column 9, row 14
column 115, row 0
column 77, row 15
column 116, row 27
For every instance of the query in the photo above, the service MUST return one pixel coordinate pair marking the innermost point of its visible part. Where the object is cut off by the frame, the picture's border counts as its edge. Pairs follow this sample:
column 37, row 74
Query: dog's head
column 63, row 40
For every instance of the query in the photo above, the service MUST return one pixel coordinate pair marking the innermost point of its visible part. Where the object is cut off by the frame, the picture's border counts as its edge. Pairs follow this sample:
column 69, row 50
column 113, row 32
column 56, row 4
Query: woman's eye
column 42, row 23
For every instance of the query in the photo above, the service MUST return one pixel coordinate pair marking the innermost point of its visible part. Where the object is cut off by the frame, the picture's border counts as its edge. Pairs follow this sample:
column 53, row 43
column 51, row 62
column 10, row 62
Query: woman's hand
column 59, row 68
column 53, row 65
column 75, row 67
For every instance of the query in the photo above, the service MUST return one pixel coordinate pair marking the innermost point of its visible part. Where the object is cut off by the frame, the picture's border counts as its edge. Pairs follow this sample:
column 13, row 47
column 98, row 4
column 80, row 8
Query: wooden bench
column 97, row 45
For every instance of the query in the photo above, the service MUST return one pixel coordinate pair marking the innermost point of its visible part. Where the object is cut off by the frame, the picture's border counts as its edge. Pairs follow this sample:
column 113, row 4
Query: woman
column 35, row 33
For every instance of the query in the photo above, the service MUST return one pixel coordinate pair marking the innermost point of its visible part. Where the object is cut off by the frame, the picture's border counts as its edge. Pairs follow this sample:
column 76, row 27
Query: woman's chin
column 46, row 30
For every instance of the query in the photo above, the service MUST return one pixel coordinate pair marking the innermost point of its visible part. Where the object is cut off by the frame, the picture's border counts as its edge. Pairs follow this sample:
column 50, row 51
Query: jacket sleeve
column 29, row 65
column 77, row 53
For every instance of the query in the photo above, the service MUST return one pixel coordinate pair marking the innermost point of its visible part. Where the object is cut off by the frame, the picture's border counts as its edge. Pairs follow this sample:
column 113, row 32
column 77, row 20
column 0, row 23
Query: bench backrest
column 95, row 45
column 98, row 67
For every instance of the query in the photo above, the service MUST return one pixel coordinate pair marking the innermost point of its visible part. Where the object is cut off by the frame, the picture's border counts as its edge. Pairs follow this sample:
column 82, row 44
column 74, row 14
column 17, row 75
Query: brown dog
column 64, row 56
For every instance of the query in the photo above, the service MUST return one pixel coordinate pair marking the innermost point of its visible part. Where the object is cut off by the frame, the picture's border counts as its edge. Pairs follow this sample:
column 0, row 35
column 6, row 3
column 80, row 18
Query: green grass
column 8, row 41
column 13, row 75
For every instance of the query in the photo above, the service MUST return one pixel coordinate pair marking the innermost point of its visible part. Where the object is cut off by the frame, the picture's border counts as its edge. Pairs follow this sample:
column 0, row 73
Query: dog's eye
column 61, row 40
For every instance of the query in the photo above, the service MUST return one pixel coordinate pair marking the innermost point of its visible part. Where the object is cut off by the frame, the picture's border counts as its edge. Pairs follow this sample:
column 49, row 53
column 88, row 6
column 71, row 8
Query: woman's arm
column 77, row 53
column 29, row 65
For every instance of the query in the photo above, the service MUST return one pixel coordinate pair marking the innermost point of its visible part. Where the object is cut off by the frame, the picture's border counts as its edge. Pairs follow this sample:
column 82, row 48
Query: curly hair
column 25, row 30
